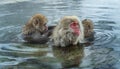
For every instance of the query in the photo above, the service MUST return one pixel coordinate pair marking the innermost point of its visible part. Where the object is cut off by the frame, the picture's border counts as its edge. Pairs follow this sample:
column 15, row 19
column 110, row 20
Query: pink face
column 75, row 27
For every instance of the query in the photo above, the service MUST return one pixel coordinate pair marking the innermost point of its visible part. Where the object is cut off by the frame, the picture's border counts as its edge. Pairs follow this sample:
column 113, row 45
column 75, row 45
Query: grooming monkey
column 35, row 30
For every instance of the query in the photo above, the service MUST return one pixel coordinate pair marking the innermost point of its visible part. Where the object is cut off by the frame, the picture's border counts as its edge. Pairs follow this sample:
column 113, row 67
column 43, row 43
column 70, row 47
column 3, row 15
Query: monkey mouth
column 76, row 31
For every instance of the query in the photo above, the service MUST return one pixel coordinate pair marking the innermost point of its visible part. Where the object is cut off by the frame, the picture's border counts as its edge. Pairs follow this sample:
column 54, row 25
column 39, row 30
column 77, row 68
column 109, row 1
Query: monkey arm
column 27, row 37
column 41, row 39
column 30, row 39
column 49, row 31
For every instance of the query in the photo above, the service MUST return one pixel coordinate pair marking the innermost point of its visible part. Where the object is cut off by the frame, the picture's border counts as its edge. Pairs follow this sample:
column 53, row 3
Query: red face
column 75, row 27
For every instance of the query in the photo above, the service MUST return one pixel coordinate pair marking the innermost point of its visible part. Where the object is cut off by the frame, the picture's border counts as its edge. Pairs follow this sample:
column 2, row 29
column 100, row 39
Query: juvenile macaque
column 88, row 29
column 69, row 31
column 35, row 30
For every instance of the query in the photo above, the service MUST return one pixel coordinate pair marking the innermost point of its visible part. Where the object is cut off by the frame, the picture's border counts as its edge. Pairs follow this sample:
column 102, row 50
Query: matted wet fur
column 36, row 23
column 63, row 35
column 35, row 29
column 88, row 29
column 69, row 56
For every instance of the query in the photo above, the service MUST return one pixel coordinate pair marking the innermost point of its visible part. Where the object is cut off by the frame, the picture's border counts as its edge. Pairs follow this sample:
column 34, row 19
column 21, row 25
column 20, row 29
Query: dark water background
column 103, row 54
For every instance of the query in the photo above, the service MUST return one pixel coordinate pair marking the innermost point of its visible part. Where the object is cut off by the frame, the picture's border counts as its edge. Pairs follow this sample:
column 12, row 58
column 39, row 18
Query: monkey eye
column 35, row 23
column 74, row 24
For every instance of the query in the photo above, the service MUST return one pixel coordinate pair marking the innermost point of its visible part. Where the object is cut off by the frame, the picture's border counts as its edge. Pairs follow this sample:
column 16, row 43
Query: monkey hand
column 28, row 31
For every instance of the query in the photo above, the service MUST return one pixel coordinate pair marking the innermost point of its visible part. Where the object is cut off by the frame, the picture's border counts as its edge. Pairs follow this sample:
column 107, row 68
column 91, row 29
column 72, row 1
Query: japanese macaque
column 35, row 30
column 88, row 29
column 69, row 31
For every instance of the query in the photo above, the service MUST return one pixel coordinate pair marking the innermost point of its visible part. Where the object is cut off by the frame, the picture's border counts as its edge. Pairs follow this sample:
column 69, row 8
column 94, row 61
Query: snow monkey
column 88, row 29
column 35, row 30
column 68, row 31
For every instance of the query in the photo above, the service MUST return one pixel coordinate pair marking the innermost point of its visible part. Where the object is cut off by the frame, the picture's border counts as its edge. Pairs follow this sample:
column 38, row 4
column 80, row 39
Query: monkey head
column 38, row 21
column 68, row 31
column 88, row 29
column 71, row 24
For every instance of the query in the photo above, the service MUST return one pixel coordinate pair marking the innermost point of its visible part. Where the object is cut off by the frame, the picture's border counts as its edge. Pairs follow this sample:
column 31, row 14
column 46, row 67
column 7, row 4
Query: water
column 103, row 54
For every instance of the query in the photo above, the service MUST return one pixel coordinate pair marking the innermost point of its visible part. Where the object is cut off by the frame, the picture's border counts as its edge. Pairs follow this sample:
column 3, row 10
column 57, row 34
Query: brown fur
column 36, row 23
column 88, row 28
column 62, row 34
column 69, row 56
column 35, row 30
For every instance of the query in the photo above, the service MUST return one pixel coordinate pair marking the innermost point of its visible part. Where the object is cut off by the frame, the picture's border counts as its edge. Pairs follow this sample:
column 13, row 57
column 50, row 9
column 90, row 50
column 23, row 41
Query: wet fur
column 64, row 37
column 88, row 29
column 29, row 26
column 34, row 28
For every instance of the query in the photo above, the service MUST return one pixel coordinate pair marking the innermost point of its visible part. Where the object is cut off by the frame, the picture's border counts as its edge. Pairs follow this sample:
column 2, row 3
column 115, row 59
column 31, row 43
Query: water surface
column 103, row 54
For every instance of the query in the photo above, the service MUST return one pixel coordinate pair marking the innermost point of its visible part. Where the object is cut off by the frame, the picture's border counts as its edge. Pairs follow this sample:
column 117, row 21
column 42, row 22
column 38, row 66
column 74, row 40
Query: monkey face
column 39, row 23
column 71, row 24
column 75, row 27
column 69, row 31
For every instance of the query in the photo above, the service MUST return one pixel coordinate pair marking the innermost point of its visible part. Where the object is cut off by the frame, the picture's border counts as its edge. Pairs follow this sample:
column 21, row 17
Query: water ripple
column 15, row 13
column 103, row 37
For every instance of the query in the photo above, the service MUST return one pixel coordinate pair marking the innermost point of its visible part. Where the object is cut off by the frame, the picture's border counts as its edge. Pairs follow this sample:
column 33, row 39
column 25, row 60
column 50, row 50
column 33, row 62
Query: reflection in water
column 104, row 53
column 69, row 56
column 18, row 50
column 23, row 56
